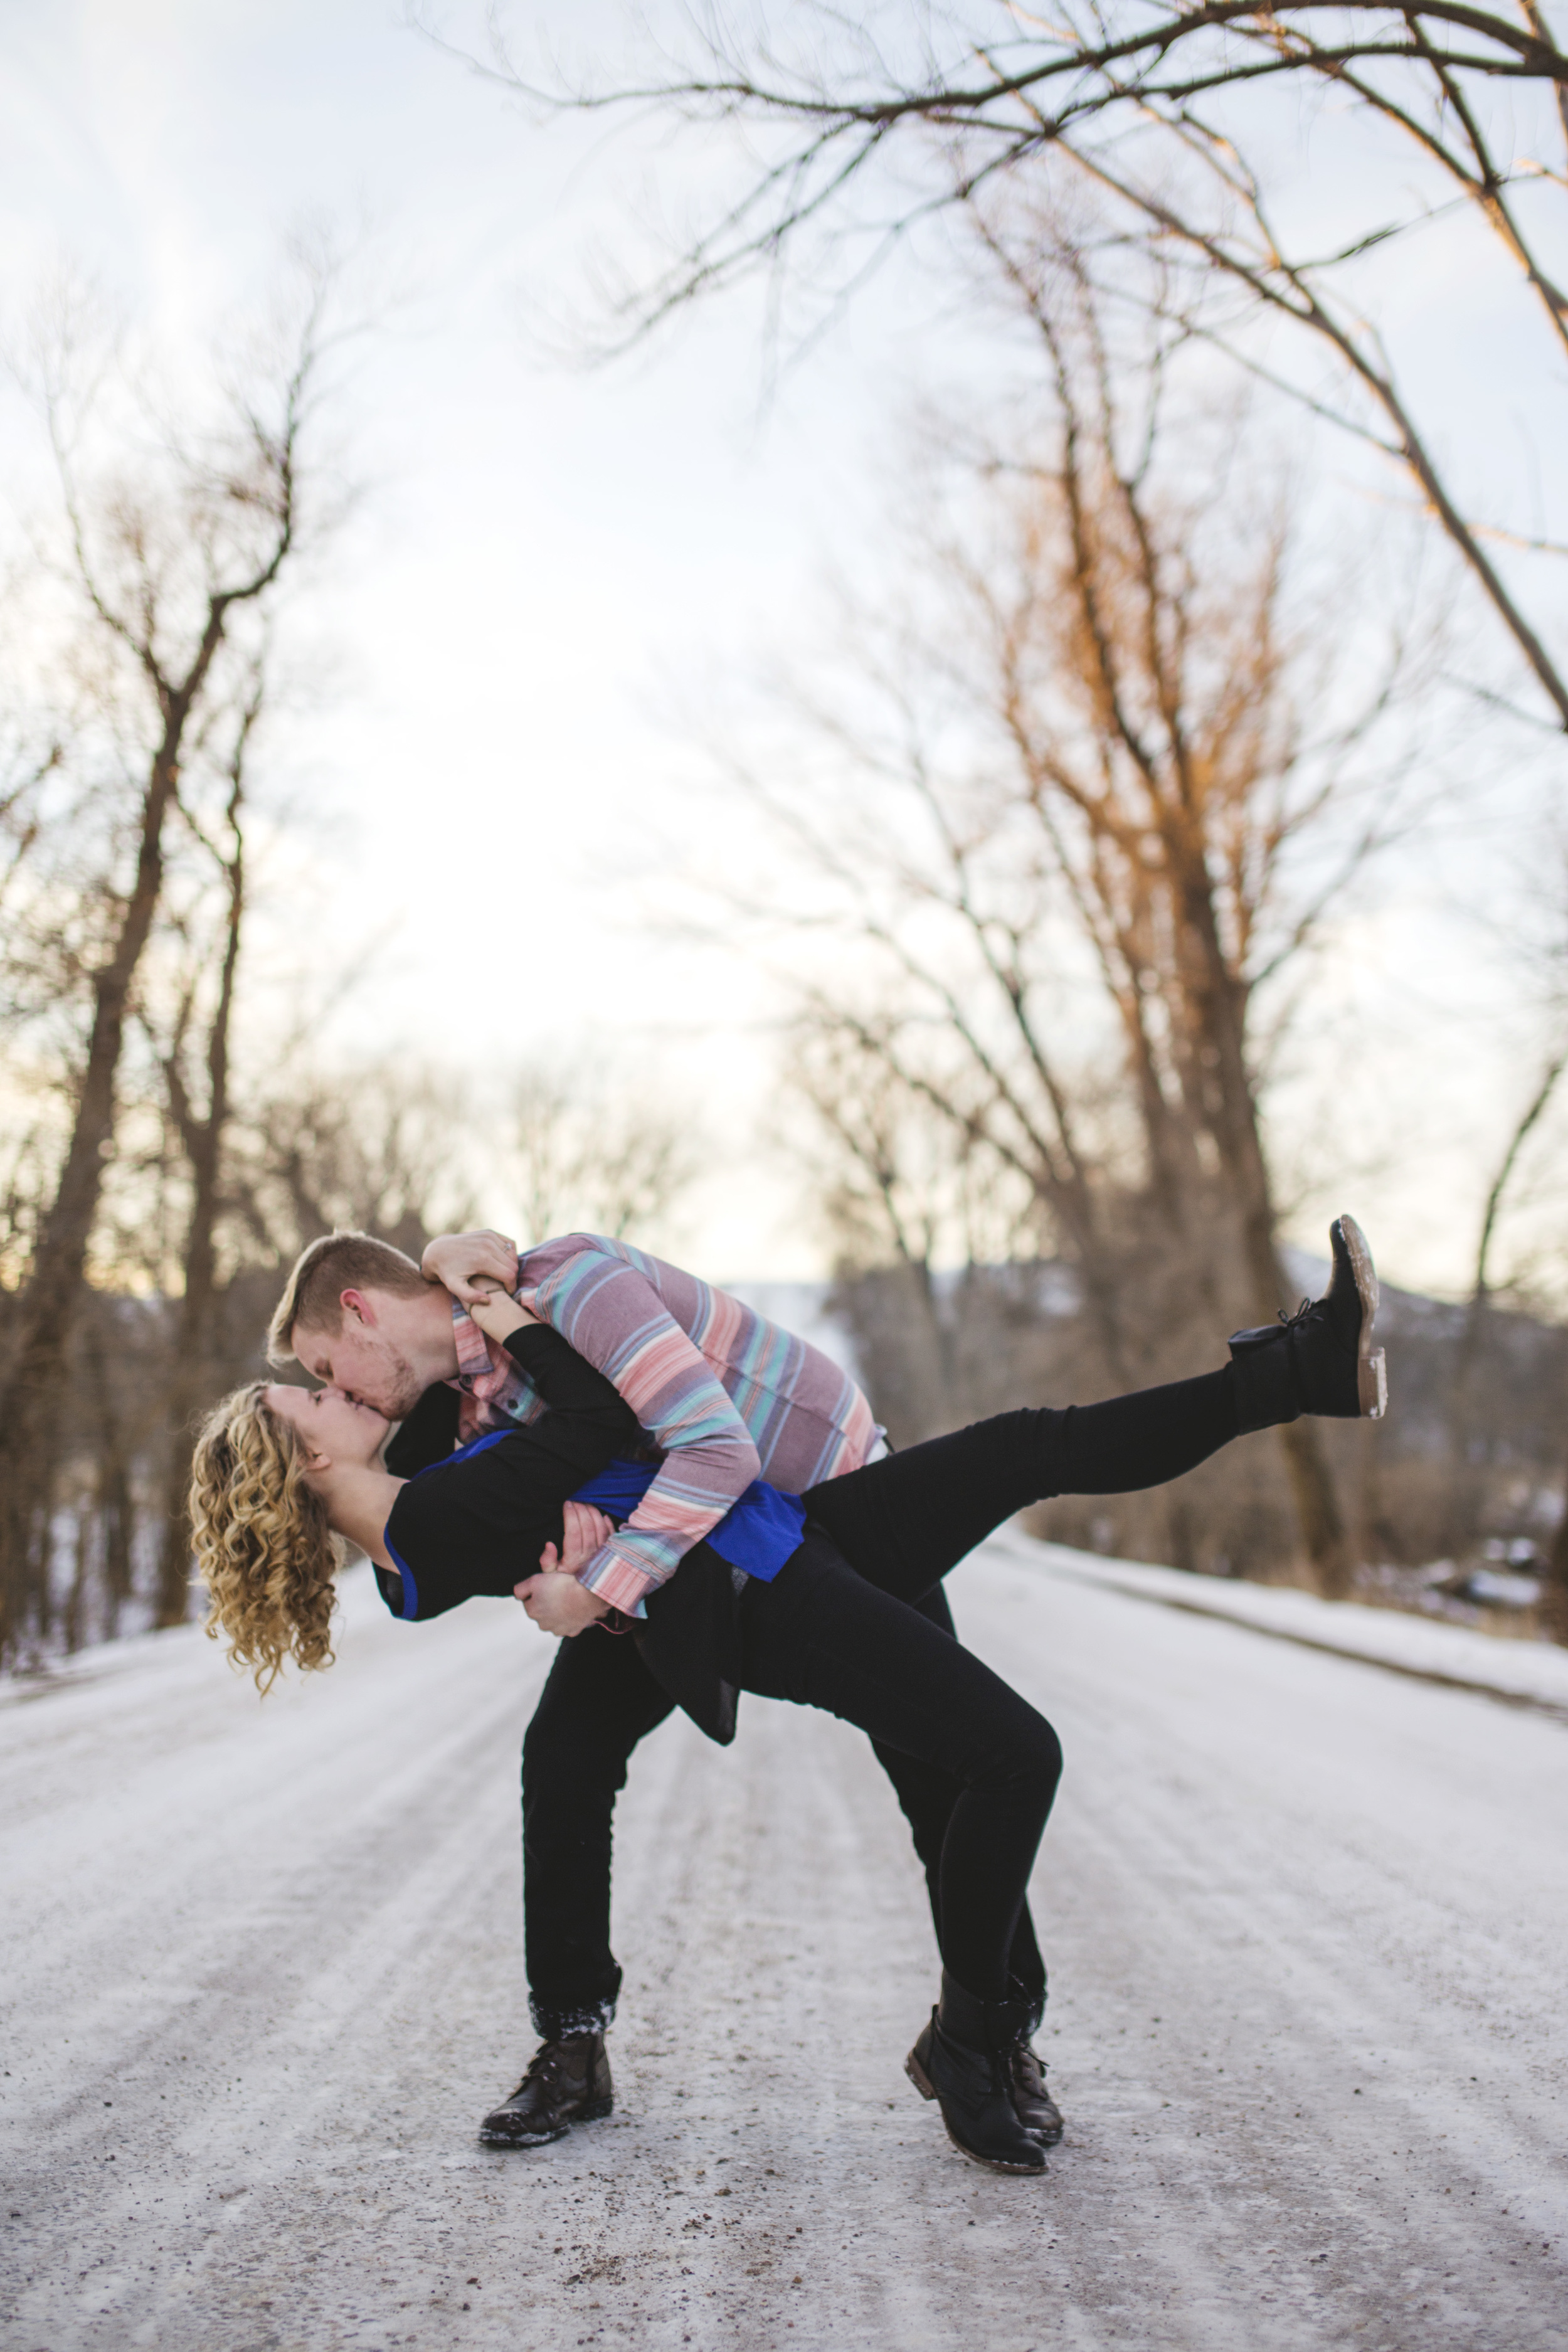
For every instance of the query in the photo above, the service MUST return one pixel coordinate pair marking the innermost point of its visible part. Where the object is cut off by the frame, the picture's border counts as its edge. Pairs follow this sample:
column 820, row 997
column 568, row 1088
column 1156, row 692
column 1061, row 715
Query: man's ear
column 355, row 1302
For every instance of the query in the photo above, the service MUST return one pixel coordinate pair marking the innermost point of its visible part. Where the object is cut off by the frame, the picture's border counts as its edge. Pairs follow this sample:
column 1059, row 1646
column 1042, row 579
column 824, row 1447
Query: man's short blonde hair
column 332, row 1263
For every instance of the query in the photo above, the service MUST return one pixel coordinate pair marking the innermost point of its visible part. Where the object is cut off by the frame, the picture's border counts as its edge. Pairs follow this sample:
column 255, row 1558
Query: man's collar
column 474, row 1358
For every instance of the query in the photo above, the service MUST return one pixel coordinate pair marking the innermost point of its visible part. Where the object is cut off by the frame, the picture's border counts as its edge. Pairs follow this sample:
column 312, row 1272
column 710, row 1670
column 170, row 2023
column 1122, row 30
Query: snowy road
column 1307, row 1925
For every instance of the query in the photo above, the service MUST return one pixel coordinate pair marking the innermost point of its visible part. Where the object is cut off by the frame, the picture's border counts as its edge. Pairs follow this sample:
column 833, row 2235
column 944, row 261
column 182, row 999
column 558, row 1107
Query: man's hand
column 458, row 1261
column 558, row 1604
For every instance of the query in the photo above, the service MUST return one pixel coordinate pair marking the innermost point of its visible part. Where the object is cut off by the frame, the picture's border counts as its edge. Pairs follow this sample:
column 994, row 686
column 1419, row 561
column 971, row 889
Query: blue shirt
column 757, row 1533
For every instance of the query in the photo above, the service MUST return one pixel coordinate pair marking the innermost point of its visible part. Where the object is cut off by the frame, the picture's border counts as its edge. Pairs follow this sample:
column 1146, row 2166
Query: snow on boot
column 1321, row 1360
column 567, row 2082
column 964, row 2060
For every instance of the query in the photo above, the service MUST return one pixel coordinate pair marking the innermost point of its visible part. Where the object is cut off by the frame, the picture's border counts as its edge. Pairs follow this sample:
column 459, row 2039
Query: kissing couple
column 697, row 1503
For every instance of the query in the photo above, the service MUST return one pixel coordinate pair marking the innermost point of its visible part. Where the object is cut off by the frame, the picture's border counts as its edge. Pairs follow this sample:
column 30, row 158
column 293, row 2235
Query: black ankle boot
column 1321, row 1361
column 1032, row 2103
column 567, row 2082
column 964, row 2060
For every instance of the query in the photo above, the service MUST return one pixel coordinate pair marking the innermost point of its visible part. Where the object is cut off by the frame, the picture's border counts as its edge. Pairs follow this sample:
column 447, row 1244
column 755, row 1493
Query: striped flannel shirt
column 726, row 1395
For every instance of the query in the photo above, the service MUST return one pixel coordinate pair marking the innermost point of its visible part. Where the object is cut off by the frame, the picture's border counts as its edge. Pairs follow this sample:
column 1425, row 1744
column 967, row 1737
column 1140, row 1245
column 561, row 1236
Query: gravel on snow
column 1307, row 1924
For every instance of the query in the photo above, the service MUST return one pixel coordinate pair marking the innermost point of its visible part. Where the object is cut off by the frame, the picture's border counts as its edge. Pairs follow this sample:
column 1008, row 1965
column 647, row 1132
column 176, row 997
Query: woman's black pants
column 836, row 1629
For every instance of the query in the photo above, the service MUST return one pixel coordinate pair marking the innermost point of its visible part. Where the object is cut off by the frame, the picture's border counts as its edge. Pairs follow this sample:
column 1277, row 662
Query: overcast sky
column 553, row 562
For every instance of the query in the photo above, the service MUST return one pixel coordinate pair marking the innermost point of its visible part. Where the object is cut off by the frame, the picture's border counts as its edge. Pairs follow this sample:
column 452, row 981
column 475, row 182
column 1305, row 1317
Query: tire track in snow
column 1305, row 1923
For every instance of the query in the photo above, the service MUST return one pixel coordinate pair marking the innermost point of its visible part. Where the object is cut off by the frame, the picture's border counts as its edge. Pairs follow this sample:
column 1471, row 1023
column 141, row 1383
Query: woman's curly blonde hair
column 263, row 1543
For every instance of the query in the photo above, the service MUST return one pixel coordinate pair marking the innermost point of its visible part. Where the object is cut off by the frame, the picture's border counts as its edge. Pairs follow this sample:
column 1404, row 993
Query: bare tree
column 177, row 543
column 1109, row 738
column 900, row 1188
column 873, row 120
column 593, row 1149
column 895, row 1175
column 387, row 1146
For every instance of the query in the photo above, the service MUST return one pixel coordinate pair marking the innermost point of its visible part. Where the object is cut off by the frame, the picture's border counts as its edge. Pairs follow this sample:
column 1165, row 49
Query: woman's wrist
column 501, row 1315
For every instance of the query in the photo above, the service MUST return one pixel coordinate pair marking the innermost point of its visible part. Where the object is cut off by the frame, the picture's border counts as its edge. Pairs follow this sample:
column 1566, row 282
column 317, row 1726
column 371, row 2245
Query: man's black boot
column 964, row 2060
column 1321, row 1361
column 567, row 2082
column 1032, row 2103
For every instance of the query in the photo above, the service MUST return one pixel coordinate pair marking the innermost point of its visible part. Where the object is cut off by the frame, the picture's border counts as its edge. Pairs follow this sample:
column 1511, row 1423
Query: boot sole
column 918, row 2077
column 924, row 2085
column 996, row 2163
column 1372, row 1363
column 594, row 2112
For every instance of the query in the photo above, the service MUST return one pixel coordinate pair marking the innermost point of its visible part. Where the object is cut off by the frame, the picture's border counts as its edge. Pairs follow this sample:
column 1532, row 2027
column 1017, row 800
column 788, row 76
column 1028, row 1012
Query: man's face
column 329, row 1425
column 364, row 1359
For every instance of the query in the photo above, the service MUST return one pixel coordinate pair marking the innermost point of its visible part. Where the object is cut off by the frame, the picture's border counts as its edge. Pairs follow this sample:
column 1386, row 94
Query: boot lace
column 544, row 2067
column 1028, row 2066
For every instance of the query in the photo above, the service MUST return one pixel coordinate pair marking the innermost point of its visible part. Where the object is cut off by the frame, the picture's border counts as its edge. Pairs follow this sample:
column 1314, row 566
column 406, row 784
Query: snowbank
column 1528, row 1674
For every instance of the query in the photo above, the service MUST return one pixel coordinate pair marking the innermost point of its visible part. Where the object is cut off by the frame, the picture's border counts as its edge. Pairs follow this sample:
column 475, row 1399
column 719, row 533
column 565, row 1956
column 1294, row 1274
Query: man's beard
column 399, row 1387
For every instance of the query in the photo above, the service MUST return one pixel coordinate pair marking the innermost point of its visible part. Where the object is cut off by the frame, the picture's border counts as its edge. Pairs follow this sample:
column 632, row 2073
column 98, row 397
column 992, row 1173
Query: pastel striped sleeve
column 613, row 1315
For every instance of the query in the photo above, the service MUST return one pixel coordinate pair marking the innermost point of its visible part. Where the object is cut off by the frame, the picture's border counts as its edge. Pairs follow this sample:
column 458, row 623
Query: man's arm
column 479, row 1522
column 613, row 1315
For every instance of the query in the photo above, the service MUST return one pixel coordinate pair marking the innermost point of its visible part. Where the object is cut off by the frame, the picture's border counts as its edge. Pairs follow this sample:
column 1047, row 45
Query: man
column 726, row 1397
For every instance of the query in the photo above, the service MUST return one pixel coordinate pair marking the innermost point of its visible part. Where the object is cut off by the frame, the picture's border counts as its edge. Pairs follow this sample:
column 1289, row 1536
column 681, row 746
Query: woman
column 805, row 1599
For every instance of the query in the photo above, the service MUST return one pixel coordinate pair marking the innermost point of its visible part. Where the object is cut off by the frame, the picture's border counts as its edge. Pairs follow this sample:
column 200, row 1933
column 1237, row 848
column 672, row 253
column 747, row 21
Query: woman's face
column 331, row 1424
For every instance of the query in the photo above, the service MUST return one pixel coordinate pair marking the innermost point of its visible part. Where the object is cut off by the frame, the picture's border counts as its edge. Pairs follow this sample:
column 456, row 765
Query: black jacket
column 475, row 1522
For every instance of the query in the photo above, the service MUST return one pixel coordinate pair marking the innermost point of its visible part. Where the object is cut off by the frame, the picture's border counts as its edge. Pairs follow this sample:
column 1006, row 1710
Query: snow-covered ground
column 1527, row 1672
column 1306, row 1921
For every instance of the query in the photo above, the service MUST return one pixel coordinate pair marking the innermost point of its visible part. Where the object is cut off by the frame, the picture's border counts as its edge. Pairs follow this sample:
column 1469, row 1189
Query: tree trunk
column 33, row 1395
column 113, row 1503
column 187, row 1394
column 117, row 1518
column 1220, row 1008
column 1181, row 1536
column 73, row 1624
column 1555, row 1588
column 1472, row 1348
column 187, row 1390
column 194, row 1336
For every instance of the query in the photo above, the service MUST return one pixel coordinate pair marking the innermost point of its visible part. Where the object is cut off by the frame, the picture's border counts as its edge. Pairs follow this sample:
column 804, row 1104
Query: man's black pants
column 599, row 1701
column 901, row 1524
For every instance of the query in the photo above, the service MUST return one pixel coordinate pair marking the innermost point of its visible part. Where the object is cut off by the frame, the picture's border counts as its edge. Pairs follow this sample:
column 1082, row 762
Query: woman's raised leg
column 903, row 1523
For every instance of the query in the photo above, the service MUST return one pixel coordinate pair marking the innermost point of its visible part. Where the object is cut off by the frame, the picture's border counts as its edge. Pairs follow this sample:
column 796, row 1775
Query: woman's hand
column 548, row 1598
column 458, row 1261
column 558, row 1604
column 496, row 1314
column 586, row 1530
